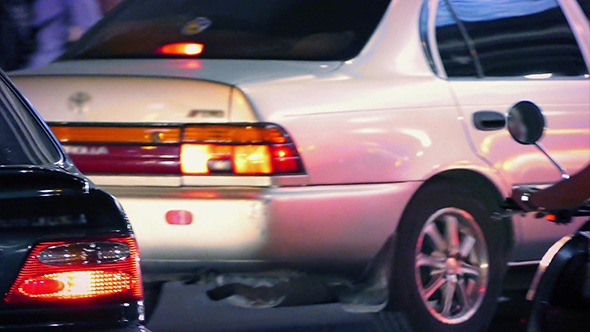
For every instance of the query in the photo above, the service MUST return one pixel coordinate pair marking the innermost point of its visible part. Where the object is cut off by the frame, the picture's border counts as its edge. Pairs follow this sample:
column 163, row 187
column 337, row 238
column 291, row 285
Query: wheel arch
column 476, row 182
column 472, row 180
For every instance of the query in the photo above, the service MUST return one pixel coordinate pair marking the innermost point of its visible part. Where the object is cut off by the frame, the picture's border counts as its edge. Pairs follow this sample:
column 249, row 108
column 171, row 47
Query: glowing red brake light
column 181, row 49
column 76, row 285
column 238, row 149
column 239, row 159
column 76, row 270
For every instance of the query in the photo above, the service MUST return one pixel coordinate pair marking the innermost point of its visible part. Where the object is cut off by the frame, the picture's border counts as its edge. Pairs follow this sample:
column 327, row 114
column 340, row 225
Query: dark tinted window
column 509, row 37
column 585, row 4
column 22, row 140
column 453, row 49
column 236, row 29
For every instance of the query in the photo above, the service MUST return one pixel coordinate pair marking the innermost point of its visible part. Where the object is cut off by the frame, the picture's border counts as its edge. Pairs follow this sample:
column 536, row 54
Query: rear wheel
column 449, row 260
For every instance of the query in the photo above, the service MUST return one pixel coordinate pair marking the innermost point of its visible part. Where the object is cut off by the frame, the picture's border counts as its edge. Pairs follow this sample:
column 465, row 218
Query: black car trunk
column 38, row 204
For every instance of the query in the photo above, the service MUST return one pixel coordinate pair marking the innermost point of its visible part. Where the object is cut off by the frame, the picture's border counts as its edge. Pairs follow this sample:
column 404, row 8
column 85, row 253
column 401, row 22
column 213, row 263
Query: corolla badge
column 86, row 150
column 79, row 102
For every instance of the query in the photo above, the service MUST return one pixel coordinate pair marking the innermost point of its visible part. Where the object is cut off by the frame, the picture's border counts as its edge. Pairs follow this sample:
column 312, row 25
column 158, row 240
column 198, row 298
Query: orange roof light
column 181, row 49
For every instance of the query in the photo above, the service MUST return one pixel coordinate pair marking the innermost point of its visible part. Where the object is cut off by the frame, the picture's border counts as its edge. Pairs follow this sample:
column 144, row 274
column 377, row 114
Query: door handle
column 489, row 120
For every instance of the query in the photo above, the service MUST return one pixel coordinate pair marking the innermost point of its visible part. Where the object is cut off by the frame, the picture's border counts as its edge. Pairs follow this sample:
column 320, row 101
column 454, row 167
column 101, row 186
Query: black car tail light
column 106, row 268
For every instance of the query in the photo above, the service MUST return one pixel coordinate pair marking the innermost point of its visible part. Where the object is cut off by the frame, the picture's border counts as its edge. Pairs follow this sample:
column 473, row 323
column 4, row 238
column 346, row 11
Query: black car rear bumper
column 124, row 317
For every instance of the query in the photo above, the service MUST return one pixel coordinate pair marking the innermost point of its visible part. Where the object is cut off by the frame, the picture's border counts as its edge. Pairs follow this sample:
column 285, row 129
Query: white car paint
column 381, row 122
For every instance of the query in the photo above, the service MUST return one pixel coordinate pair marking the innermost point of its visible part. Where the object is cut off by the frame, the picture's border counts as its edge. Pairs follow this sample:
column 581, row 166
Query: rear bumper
column 329, row 228
column 113, row 318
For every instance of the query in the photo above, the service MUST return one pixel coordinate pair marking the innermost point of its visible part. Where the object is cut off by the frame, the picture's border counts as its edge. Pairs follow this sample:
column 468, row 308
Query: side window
column 22, row 141
column 453, row 49
column 508, row 38
column 585, row 4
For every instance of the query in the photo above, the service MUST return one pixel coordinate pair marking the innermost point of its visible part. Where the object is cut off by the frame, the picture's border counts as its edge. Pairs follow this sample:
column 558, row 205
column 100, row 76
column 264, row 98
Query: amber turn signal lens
column 101, row 134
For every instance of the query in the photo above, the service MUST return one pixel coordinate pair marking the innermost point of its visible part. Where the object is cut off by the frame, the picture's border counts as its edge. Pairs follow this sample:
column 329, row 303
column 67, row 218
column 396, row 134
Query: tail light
column 106, row 269
column 210, row 149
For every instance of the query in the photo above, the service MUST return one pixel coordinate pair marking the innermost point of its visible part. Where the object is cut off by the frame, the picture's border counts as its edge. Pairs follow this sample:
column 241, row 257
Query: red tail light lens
column 59, row 271
column 76, row 285
column 207, row 149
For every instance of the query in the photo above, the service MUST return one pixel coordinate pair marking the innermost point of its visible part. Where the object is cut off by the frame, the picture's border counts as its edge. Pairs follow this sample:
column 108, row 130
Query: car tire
column 449, row 260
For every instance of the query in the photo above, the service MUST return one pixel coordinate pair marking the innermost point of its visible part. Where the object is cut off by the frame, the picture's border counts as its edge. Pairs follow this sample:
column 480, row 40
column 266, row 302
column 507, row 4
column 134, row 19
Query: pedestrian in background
column 59, row 22
column 17, row 33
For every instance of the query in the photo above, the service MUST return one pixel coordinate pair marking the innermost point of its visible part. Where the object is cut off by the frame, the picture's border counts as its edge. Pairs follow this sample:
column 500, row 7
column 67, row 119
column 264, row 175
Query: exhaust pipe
column 295, row 292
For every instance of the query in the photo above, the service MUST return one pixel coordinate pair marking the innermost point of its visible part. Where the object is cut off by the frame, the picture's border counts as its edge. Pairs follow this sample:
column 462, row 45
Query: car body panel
column 363, row 127
column 295, row 226
column 112, row 100
column 231, row 72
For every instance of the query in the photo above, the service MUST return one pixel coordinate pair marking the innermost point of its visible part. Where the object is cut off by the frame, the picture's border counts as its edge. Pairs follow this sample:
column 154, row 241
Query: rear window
column 22, row 139
column 235, row 29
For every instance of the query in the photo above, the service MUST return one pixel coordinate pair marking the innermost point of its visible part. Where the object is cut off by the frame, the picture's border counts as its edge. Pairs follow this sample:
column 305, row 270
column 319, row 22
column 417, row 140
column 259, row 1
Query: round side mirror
column 526, row 123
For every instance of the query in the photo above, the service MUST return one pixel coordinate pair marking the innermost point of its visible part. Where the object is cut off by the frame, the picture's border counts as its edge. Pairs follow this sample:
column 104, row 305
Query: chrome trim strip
column 205, row 181
column 253, row 181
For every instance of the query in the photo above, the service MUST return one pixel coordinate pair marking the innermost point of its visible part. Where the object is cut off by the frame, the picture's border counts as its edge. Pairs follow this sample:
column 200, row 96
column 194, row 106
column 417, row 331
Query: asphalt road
column 185, row 308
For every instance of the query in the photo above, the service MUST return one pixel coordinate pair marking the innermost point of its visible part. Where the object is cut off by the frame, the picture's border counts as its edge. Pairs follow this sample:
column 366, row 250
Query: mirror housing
column 526, row 123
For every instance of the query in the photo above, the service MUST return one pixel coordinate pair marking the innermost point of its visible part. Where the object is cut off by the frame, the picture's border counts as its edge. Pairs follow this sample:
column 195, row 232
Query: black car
column 68, row 256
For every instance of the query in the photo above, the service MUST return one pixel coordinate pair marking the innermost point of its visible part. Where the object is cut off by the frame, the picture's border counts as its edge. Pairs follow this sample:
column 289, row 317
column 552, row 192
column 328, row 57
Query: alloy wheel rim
column 451, row 265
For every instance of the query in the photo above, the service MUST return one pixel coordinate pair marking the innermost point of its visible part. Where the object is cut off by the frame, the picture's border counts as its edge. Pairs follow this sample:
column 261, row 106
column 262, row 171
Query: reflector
column 179, row 217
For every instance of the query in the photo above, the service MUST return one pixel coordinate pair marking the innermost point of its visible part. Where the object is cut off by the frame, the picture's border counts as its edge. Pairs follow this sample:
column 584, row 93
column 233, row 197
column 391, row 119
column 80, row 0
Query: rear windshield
column 23, row 141
column 235, row 29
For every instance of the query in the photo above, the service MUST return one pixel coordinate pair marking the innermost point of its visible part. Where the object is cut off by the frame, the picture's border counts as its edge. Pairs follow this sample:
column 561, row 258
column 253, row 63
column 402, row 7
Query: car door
column 498, row 53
